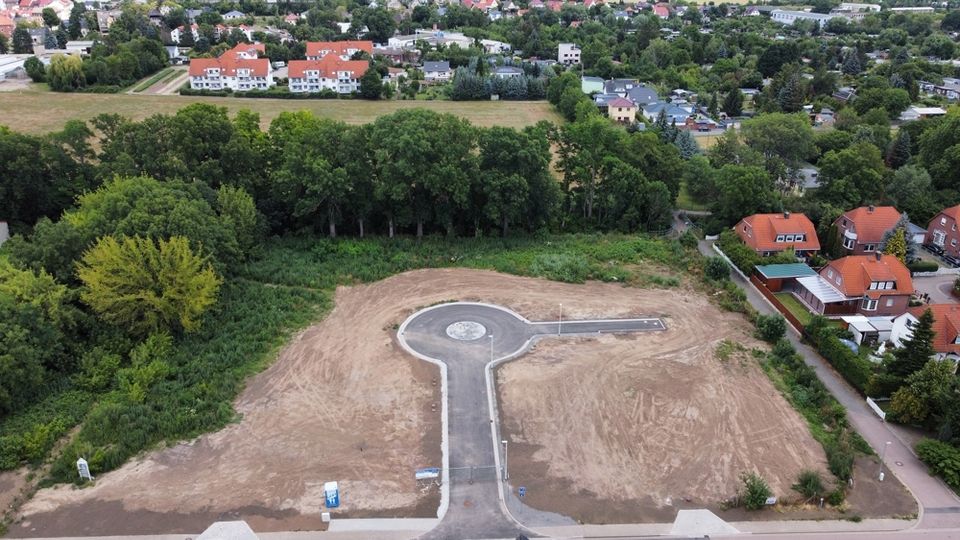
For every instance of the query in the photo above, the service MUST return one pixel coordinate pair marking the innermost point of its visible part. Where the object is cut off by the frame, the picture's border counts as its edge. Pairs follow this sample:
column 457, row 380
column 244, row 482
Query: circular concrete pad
column 466, row 330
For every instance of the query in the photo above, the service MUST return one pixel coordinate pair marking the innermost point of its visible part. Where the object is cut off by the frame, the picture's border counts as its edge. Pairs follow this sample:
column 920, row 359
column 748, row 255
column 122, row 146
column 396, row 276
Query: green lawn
column 40, row 111
column 796, row 308
column 685, row 202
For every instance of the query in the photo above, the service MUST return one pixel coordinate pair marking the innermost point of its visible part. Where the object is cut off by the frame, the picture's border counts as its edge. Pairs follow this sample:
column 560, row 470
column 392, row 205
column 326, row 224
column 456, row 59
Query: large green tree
column 916, row 351
column 145, row 286
column 853, row 176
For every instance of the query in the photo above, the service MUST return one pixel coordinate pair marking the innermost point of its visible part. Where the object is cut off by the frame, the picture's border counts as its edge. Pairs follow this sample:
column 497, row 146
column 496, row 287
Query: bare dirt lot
column 629, row 429
column 635, row 422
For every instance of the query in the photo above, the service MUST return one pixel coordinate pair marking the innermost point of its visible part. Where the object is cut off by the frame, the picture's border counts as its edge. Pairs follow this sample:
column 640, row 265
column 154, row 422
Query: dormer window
column 789, row 238
column 799, row 238
column 779, row 238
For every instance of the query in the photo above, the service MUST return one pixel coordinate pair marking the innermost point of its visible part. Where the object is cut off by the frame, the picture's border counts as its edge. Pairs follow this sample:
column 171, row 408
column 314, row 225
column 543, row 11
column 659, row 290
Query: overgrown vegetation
column 754, row 492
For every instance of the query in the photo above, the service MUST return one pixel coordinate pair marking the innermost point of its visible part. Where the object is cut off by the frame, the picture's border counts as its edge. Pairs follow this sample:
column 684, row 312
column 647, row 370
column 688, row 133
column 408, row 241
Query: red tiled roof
column 870, row 225
column 228, row 65
column 946, row 324
column 328, row 66
column 621, row 102
column 764, row 229
column 340, row 48
column 858, row 271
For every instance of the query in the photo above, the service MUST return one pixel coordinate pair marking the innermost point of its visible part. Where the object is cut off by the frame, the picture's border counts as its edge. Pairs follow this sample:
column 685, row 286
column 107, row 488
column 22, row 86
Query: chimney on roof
column 879, row 255
column 871, row 208
column 786, row 214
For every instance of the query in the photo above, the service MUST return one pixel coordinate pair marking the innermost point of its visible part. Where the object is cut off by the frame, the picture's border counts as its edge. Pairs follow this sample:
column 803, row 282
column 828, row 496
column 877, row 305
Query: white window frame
column 779, row 238
column 868, row 247
column 799, row 238
column 889, row 302
column 848, row 243
column 868, row 304
column 874, row 285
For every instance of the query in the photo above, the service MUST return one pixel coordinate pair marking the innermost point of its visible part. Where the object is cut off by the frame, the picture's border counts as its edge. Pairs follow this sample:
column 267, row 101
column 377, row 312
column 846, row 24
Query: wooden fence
column 787, row 314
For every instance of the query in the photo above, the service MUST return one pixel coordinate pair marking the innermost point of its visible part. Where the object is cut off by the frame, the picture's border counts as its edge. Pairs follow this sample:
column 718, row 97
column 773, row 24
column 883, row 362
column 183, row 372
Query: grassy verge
column 191, row 389
column 685, row 202
column 157, row 77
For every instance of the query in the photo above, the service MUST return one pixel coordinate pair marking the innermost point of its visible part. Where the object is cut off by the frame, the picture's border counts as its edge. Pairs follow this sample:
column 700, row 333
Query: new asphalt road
column 468, row 338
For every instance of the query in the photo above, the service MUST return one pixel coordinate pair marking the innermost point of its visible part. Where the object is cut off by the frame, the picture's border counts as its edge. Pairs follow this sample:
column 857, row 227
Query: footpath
column 939, row 506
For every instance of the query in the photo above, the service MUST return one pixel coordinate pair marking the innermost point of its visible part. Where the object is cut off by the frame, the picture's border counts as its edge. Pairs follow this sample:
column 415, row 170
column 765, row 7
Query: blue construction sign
column 522, row 491
column 331, row 492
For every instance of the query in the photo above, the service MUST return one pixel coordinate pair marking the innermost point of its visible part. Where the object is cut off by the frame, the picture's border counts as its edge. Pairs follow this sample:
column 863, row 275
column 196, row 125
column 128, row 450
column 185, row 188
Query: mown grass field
column 40, row 111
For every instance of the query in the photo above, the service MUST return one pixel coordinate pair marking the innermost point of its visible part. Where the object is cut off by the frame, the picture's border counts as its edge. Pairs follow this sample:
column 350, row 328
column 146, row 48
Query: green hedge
column 923, row 266
column 943, row 460
column 275, row 93
column 855, row 370
column 744, row 257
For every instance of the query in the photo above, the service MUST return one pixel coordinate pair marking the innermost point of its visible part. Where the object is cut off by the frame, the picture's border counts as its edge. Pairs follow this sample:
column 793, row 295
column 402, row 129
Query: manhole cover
column 466, row 330
column 899, row 463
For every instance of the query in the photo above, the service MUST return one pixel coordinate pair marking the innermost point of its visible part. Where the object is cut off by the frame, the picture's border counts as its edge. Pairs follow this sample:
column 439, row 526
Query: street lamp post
column 560, row 320
column 883, row 456
column 506, row 476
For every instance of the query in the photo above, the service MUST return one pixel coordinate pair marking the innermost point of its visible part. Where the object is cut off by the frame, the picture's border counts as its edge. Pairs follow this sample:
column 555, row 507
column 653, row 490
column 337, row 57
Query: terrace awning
column 822, row 289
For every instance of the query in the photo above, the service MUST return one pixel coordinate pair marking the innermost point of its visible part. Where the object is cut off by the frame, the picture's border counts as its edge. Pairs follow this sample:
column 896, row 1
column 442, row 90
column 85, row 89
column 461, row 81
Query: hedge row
column 272, row 94
column 943, row 460
column 855, row 370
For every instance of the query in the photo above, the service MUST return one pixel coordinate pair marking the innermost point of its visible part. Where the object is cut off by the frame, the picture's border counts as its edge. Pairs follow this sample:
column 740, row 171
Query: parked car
column 933, row 248
column 952, row 261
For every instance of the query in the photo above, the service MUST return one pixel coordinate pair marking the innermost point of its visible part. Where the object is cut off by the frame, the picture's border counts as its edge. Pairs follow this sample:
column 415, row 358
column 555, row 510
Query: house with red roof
column 769, row 234
column 328, row 73
column 6, row 25
column 662, row 10
column 316, row 50
column 861, row 230
column 238, row 69
column 622, row 110
column 946, row 325
column 870, row 285
column 942, row 231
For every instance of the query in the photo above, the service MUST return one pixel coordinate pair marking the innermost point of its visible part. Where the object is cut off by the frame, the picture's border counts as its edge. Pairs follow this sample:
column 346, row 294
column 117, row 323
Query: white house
column 916, row 113
column 437, row 71
column 946, row 325
column 328, row 73
column 233, row 15
column 568, row 53
column 507, row 72
column 238, row 69
column 788, row 17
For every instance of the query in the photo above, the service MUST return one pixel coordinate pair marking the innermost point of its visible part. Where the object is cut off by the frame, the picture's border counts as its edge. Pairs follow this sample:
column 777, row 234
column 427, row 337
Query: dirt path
column 170, row 86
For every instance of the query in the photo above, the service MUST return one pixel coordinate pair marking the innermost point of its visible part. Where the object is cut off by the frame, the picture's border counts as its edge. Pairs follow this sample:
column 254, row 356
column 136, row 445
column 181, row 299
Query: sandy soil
column 11, row 485
column 628, row 429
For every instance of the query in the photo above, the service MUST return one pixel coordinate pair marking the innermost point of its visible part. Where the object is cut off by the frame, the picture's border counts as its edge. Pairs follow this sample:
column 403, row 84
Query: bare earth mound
column 628, row 429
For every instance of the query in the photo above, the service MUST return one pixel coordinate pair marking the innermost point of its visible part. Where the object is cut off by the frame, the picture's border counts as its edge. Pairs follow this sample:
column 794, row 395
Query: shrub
column 561, row 267
column 754, row 492
column 771, row 328
column 717, row 269
column 943, row 460
column 840, row 457
column 836, row 497
column 809, row 484
column 857, row 371
column 923, row 266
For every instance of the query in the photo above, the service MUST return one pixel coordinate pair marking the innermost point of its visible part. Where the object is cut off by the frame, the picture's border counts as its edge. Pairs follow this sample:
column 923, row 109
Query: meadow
column 37, row 110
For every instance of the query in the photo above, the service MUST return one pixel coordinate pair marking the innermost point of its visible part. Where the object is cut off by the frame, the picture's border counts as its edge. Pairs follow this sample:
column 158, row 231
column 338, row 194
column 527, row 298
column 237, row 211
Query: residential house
column 437, row 71
column 861, row 230
column 769, row 234
column 674, row 114
column 620, row 86
column 950, row 88
column 507, row 72
column 591, row 85
column 787, row 17
column 330, row 72
column 238, row 69
column 345, row 50
column 871, row 285
column 942, row 230
column 432, row 37
column 492, row 46
column 916, row 113
column 568, row 54
column 176, row 35
column 642, row 95
column 946, row 325
column 7, row 25
column 622, row 110
column 699, row 122
column 662, row 10
column 233, row 15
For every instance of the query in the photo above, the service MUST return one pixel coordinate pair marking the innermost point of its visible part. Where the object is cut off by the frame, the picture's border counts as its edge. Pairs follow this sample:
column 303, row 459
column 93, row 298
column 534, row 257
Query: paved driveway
column 939, row 288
